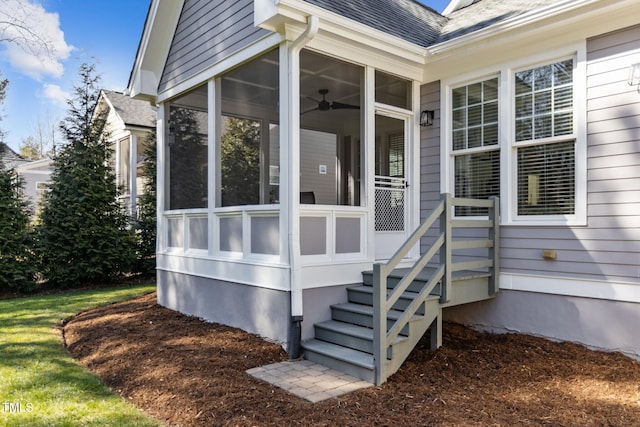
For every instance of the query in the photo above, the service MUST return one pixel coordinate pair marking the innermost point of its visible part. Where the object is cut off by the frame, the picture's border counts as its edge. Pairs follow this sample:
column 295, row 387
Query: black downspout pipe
column 295, row 338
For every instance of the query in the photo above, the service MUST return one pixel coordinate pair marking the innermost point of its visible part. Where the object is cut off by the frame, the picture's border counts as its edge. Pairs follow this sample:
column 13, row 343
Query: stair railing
column 444, row 244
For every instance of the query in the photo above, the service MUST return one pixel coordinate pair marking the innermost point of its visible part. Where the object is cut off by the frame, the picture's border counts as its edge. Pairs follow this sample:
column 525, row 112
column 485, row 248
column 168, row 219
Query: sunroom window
column 545, row 142
column 475, row 144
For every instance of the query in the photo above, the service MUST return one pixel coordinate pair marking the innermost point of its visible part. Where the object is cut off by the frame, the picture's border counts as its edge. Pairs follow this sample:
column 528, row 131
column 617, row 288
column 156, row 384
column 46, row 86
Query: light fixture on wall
column 426, row 118
column 634, row 76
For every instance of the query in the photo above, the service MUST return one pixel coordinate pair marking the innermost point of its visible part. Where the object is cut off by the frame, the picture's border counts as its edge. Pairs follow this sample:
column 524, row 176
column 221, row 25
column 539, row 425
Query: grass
column 40, row 383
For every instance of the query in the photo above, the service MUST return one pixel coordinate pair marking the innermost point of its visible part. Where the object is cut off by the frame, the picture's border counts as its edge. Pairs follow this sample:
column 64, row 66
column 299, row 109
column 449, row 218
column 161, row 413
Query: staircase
column 371, row 335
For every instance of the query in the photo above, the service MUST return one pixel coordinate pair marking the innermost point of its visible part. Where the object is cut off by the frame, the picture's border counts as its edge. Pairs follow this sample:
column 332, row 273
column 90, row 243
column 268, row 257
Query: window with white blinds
column 546, row 179
column 475, row 143
column 525, row 138
column 544, row 122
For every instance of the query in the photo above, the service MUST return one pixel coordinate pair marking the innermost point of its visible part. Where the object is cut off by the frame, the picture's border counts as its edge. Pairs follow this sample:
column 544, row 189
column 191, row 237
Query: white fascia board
column 455, row 5
column 561, row 14
column 297, row 11
column 161, row 23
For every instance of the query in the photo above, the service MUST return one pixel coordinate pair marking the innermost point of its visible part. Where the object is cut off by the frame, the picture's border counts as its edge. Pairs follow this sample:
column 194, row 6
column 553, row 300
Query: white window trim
column 579, row 136
column 447, row 154
column 506, row 131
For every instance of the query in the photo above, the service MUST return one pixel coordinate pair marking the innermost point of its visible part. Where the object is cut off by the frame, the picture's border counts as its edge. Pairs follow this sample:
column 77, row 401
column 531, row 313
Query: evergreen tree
column 17, row 268
column 84, row 233
column 145, row 223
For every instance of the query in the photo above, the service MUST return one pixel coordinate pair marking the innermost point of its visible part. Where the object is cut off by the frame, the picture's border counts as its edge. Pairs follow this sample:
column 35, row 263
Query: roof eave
column 160, row 25
column 275, row 14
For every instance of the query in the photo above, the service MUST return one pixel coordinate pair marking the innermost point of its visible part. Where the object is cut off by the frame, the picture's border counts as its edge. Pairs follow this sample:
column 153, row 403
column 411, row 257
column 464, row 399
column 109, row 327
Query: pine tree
column 145, row 223
column 84, row 234
column 17, row 268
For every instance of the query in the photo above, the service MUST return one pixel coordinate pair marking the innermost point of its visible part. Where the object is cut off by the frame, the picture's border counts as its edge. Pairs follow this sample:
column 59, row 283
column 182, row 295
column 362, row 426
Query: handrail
column 383, row 301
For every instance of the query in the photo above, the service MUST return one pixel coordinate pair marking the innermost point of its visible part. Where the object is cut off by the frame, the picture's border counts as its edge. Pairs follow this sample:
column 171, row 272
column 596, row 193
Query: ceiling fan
column 325, row 105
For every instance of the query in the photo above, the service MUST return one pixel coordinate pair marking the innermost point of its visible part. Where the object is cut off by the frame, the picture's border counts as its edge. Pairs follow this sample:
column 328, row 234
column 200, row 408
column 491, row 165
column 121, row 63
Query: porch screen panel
column 187, row 151
column 248, row 145
column 240, row 162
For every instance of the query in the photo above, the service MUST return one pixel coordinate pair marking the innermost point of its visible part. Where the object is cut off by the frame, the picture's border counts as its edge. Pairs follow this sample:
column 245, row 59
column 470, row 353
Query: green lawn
column 40, row 383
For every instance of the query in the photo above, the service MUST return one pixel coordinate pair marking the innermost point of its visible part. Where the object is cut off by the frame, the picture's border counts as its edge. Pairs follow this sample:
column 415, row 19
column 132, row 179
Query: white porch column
column 290, row 169
column 133, row 174
column 162, row 172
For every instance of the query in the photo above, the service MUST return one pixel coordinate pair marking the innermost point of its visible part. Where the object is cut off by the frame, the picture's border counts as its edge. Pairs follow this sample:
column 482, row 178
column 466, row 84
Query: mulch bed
column 186, row 372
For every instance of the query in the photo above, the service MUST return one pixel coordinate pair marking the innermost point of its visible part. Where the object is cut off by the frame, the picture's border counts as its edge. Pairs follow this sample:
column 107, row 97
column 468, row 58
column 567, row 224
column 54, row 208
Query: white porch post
column 369, row 151
column 133, row 174
column 290, row 170
column 162, row 172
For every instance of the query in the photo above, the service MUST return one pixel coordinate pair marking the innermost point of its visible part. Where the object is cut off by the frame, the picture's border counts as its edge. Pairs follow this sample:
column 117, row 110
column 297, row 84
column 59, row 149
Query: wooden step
column 353, row 362
column 362, row 315
column 364, row 295
column 349, row 335
column 396, row 276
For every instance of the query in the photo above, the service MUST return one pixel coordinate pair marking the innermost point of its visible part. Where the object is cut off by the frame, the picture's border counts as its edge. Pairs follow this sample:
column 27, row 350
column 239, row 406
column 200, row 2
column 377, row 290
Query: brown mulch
column 186, row 372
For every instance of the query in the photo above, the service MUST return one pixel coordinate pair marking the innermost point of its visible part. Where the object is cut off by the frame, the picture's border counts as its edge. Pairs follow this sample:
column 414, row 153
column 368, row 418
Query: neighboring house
column 314, row 165
column 36, row 175
column 129, row 123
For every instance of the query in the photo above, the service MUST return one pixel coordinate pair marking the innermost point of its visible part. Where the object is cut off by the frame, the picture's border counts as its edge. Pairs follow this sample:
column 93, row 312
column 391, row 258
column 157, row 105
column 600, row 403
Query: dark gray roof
column 419, row 24
column 407, row 19
column 9, row 158
column 133, row 112
column 483, row 13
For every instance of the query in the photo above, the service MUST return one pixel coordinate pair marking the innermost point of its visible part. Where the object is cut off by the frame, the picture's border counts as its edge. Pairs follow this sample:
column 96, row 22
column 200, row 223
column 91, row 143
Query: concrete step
column 353, row 362
column 349, row 335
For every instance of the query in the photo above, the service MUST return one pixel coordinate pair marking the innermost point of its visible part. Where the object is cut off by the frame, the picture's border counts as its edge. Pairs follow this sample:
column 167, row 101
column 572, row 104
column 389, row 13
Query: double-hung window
column 524, row 139
column 475, row 145
column 545, row 141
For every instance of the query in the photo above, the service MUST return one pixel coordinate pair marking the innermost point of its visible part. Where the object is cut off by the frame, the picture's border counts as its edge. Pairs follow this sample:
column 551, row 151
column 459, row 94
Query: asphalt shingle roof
column 483, row 13
column 132, row 111
column 406, row 19
column 419, row 24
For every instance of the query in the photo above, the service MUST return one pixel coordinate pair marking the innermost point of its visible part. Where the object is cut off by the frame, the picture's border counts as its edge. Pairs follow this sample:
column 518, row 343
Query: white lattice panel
column 390, row 204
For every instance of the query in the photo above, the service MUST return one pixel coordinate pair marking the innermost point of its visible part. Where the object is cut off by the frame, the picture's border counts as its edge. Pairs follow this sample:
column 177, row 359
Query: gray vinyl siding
column 207, row 32
column 608, row 247
column 429, row 156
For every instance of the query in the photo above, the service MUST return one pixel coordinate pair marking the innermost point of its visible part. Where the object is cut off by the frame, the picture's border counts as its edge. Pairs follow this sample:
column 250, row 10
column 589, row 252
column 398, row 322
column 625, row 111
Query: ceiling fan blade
column 340, row 106
column 308, row 111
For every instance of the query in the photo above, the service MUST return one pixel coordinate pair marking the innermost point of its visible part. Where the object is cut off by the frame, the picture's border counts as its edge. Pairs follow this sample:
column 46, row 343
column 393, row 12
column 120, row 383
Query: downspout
column 295, row 329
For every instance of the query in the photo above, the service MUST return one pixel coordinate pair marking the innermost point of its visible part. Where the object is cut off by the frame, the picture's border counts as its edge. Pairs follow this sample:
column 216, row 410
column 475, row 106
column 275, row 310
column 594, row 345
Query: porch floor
column 308, row 380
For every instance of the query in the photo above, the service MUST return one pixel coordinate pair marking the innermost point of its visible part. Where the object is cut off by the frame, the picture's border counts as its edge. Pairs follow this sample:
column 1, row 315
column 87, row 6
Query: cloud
column 55, row 94
column 33, row 41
